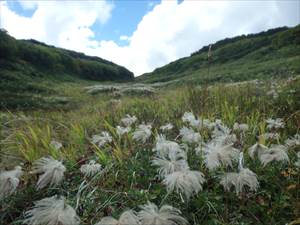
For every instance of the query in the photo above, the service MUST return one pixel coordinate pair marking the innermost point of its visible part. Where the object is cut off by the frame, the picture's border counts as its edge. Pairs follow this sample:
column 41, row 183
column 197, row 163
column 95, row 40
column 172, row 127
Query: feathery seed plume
column 51, row 170
column 9, row 181
column 51, row 211
column 166, row 215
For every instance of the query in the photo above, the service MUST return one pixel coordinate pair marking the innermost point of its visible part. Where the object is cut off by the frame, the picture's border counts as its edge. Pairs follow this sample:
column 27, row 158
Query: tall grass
column 130, row 179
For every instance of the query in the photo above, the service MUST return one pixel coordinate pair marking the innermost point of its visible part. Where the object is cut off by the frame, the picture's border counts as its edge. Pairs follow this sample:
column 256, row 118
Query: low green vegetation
column 128, row 179
column 30, row 71
column 273, row 53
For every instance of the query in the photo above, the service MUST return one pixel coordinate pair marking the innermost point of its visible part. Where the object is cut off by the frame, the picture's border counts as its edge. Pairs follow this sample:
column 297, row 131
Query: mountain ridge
column 283, row 41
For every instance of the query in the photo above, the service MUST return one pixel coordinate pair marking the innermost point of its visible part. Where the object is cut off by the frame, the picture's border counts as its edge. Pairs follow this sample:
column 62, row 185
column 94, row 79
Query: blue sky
column 126, row 16
column 142, row 34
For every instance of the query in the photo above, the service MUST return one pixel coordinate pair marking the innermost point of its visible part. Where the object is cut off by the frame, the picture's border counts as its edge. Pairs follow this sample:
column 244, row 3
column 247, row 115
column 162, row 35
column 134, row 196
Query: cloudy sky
column 142, row 35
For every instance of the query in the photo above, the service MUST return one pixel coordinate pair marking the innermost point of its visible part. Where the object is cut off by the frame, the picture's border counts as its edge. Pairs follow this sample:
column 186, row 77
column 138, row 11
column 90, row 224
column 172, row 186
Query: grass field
column 128, row 177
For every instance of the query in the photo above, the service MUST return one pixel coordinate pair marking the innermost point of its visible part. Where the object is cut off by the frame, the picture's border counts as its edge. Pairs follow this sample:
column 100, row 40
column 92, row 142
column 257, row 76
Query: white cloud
column 61, row 23
column 27, row 5
column 167, row 32
column 124, row 38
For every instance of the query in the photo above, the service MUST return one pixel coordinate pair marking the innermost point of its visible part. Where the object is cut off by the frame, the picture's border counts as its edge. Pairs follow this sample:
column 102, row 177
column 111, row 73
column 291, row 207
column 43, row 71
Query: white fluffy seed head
column 164, row 148
column 9, row 181
column 128, row 120
column 166, row 127
column 275, row 123
column 244, row 178
column 101, row 139
column 191, row 119
column 297, row 163
column 51, row 172
column 51, row 211
column 90, row 169
column 122, row 130
column 56, row 145
column 189, row 135
column 240, row 127
column 176, row 161
column 274, row 153
column 256, row 149
column 186, row 181
column 128, row 217
column 270, row 136
column 217, row 155
column 142, row 133
column 150, row 214
column 293, row 142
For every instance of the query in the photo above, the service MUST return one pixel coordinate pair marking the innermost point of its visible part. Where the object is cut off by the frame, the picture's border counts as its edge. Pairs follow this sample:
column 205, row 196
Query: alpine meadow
column 211, row 138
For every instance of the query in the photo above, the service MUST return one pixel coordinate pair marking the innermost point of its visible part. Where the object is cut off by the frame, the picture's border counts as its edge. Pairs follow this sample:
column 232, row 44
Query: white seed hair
column 191, row 119
column 51, row 172
column 275, row 123
column 188, row 182
column 189, row 135
column 128, row 120
column 240, row 127
column 244, row 178
column 217, row 155
column 102, row 139
column 150, row 214
column 256, row 149
column 164, row 148
column 174, row 162
column 274, row 153
column 122, row 130
column 142, row 133
column 9, row 181
column 128, row 217
column 56, row 145
column 51, row 211
column 90, row 169
column 167, row 126
column 293, row 142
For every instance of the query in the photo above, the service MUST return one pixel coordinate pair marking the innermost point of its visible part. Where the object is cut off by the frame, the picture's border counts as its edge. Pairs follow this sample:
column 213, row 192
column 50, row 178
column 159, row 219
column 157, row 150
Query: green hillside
column 31, row 71
column 275, row 52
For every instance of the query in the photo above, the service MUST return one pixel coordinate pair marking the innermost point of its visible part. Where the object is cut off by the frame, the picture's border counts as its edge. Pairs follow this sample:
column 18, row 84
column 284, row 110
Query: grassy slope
column 30, row 71
column 275, row 53
column 130, row 180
